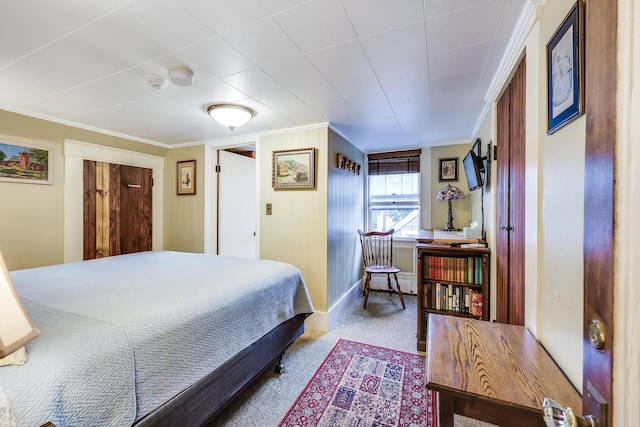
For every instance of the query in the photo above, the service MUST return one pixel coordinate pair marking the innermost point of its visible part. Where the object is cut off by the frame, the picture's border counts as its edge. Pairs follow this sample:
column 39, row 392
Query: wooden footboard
column 204, row 400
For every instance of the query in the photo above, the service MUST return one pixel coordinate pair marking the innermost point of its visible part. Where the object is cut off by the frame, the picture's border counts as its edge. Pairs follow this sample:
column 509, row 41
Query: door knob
column 556, row 416
column 506, row 227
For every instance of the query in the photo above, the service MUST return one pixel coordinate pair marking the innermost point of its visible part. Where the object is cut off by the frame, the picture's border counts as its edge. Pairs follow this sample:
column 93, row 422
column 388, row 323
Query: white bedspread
column 135, row 330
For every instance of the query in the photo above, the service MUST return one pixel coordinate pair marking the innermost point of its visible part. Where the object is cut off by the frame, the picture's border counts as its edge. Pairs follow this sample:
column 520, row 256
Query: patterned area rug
column 360, row 385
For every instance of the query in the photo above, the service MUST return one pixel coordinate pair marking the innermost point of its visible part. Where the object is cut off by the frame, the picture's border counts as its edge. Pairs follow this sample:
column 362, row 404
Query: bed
column 153, row 338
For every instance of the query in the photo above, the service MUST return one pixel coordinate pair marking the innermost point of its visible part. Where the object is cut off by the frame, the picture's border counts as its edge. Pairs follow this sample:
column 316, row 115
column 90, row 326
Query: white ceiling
column 385, row 73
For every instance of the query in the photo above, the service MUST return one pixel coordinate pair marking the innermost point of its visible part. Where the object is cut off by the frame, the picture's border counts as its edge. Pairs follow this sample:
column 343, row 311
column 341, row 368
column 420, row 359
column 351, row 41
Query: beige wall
column 296, row 232
column 32, row 218
column 461, row 208
column 184, row 215
column 345, row 211
column 560, row 210
column 554, row 199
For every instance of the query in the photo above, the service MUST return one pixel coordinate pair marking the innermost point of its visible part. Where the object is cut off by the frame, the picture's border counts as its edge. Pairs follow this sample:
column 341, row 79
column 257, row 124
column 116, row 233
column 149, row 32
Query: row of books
column 458, row 299
column 453, row 269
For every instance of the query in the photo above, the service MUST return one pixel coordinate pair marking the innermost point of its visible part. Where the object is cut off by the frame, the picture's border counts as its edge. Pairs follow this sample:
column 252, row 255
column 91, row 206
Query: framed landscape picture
column 294, row 169
column 25, row 163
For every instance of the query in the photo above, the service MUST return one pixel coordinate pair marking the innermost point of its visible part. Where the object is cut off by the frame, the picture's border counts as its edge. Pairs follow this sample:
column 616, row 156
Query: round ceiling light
column 181, row 75
column 230, row 115
column 156, row 81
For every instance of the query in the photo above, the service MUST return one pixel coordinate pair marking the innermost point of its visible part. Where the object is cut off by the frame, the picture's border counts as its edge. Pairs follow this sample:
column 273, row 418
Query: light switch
column 268, row 208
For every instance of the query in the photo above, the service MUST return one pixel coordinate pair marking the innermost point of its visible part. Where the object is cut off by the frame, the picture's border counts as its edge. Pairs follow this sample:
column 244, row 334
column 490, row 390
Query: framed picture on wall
column 294, row 169
column 25, row 163
column 186, row 177
column 565, row 69
column 448, row 169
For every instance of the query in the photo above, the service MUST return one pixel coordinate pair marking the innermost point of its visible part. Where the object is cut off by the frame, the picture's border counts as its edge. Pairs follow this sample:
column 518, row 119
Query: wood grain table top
column 495, row 362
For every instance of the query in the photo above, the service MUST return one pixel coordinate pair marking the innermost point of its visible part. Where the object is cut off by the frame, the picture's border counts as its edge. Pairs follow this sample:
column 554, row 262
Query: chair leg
column 395, row 276
column 365, row 291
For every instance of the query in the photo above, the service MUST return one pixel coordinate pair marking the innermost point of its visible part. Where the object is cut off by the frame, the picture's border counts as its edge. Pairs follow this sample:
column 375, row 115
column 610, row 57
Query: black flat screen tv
column 473, row 168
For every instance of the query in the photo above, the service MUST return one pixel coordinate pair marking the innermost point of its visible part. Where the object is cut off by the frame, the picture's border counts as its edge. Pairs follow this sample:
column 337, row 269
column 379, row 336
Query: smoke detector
column 181, row 75
column 155, row 81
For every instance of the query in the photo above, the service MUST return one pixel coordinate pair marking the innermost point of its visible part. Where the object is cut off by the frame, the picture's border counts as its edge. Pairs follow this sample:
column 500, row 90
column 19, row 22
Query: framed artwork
column 25, row 163
column 186, row 177
column 448, row 169
column 565, row 71
column 294, row 169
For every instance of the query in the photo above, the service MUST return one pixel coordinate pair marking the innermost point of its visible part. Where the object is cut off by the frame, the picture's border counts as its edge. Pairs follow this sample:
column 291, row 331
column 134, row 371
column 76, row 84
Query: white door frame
column 211, row 188
column 75, row 152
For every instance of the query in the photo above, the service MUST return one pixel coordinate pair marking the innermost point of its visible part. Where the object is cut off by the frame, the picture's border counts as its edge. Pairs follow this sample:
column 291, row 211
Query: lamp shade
column 230, row 115
column 450, row 193
column 16, row 328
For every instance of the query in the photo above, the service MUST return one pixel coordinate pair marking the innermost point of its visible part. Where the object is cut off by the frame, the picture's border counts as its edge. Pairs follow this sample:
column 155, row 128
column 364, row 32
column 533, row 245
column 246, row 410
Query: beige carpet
column 383, row 323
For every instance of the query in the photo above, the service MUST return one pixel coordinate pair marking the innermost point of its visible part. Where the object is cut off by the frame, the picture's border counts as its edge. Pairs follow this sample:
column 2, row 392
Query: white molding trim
column 75, row 152
column 81, row 126
column 531, row 13
column 234, row 141
column 326, row 321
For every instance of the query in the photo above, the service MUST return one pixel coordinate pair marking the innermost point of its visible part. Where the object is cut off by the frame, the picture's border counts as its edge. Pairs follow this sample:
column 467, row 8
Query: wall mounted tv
column 474, row 169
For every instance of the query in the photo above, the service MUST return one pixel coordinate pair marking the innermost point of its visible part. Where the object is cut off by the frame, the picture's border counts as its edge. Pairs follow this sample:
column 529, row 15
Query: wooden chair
column 377, row 256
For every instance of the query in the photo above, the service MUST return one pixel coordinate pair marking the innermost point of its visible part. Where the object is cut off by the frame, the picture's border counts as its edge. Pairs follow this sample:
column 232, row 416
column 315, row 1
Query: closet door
column 510, row 200
column 135, row 209
column 117, row 209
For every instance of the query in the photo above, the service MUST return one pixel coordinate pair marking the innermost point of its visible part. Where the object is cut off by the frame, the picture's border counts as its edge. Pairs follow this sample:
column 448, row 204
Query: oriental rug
column 360, row 385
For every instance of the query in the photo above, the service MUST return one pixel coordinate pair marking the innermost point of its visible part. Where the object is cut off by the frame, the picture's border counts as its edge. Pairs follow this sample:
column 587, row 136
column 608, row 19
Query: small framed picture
column 448, row 169
column 186, row 177
column 25, row 163
column 294, row 169
column 565, row 69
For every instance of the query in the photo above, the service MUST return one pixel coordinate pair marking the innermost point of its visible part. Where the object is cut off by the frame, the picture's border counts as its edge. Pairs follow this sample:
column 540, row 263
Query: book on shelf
column 458, row 299
column 454, row 269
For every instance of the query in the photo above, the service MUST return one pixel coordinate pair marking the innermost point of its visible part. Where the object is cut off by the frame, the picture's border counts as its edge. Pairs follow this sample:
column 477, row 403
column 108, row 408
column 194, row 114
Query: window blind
column 394, row 162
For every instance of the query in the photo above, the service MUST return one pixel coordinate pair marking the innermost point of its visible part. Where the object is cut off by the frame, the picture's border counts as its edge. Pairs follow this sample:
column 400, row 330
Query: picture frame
column 294, row 169
column 565, row 71
column 186, row 177
column 25, row 163
column 448, row 169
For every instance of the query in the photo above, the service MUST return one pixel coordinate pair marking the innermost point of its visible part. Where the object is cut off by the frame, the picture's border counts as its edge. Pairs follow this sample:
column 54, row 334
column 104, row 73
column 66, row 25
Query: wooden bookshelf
column 452, row 281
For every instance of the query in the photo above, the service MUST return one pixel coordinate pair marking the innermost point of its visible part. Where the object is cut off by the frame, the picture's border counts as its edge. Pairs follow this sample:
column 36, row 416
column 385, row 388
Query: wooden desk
column 492, row 372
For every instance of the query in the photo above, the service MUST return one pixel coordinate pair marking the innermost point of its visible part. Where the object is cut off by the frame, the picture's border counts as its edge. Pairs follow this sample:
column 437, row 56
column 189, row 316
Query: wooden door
column 599, row 205
column 135, row 209
column 117, row 209
column 510, row 200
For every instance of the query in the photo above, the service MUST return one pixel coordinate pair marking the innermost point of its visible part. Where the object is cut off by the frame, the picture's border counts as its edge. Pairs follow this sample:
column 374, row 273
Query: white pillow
column 18, row 357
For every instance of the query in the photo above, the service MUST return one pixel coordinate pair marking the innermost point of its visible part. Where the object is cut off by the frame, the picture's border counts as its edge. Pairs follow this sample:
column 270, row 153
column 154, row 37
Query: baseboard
column 325, row 321
column 408, row 284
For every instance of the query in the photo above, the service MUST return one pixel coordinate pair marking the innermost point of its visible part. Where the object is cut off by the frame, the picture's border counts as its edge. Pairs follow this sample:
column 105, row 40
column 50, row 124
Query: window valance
column 394, row 162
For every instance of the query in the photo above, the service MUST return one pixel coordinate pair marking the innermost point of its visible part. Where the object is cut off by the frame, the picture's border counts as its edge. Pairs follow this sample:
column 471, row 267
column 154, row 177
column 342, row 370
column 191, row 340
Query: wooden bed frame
column 203, row 401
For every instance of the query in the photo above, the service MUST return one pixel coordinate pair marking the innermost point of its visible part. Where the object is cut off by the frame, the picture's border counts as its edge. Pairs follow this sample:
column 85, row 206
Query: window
column 394, row 192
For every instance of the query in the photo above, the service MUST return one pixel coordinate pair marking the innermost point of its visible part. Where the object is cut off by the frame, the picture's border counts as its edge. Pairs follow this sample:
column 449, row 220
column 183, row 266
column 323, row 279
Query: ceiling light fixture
column 181, row 75
column 230, row 115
